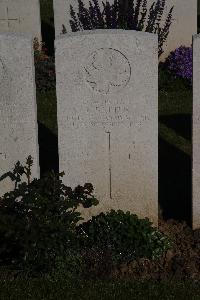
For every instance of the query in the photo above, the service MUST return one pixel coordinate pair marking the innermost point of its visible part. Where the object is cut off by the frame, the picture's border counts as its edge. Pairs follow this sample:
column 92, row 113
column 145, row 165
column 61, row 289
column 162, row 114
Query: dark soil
column 182, row 262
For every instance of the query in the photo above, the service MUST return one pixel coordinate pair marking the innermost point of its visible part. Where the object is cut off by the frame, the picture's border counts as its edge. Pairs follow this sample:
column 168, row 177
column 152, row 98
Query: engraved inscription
column 106, row 113
column 107, row 70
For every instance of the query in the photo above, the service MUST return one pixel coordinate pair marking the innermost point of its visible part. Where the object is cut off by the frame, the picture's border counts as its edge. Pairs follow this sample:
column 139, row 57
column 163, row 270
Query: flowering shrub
column 45, row 77
column 179, row 62
column 38, row 219
column 129, row 15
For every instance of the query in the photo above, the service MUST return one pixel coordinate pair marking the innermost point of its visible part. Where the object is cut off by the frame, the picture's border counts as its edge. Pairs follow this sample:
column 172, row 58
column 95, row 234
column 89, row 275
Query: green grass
column 46, row 10
column 47, row 110
column 175, row 103
column 175, row 95
column 171, row 136
column 96, row 290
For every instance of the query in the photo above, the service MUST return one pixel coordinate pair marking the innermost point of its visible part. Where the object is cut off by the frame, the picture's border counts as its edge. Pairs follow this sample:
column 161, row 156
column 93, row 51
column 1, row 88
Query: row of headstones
column 107, row 98
column 24, row 16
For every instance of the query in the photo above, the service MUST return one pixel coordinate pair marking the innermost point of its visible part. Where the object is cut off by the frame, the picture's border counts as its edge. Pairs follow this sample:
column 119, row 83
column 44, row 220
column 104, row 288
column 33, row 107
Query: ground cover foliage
column 123, row 236
column 40, row 236
column 38, row 226
column 142, row 281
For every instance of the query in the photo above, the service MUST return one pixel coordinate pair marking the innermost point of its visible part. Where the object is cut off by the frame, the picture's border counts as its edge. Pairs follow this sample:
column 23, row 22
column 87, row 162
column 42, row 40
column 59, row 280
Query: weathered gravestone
column 107, row 117
column 184, row 21
column 21, row 16
column 196, row 132
column 18, row 121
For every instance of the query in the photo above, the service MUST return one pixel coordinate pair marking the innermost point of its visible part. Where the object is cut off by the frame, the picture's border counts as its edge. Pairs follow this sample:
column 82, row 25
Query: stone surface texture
column 20, row 16
column 18, row 120
column 107, row 94
column 196, row 133
column 184, row 23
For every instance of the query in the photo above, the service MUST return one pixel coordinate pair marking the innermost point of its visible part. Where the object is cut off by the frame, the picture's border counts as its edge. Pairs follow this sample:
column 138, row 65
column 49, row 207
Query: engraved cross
column 8, row 20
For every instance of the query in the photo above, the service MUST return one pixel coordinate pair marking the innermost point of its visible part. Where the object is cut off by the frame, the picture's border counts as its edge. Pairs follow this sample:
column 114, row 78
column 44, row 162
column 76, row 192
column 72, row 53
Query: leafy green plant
column 38, row 219
column 129, row 15
column 124, row 235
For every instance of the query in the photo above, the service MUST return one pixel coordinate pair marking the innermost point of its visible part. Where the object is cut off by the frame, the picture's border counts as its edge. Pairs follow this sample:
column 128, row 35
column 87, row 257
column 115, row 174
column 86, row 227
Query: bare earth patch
column 182, row 262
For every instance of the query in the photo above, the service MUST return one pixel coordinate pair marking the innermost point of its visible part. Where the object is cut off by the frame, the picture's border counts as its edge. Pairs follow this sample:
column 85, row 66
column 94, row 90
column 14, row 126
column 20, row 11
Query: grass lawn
column 47, row 110
column 175, row 110
column 46, row 8
column 96, row 290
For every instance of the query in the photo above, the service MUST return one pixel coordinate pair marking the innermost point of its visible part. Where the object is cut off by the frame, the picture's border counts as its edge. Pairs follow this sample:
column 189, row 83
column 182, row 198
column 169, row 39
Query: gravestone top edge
column 105, row 32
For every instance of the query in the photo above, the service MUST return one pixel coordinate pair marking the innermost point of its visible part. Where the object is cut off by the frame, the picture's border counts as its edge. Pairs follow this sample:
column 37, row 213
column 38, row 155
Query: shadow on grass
column 174, row 183
column 182, row 124
column 48, row 146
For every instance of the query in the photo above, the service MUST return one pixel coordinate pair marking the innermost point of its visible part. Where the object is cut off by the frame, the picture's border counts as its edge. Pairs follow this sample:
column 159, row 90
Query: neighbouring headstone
column 18, row 120
column 180, row 33
column 196, row 133
column 20, row 16
column 107, row 97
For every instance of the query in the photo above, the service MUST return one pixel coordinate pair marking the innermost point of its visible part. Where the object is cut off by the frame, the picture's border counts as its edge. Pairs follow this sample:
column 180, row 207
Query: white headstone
column 20, row 16
column 18, row 120
column 107, row 99
column 184, row 23
column 196, row 133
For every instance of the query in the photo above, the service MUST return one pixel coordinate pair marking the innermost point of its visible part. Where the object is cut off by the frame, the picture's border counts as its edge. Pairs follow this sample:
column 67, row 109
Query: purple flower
column 180, row 62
